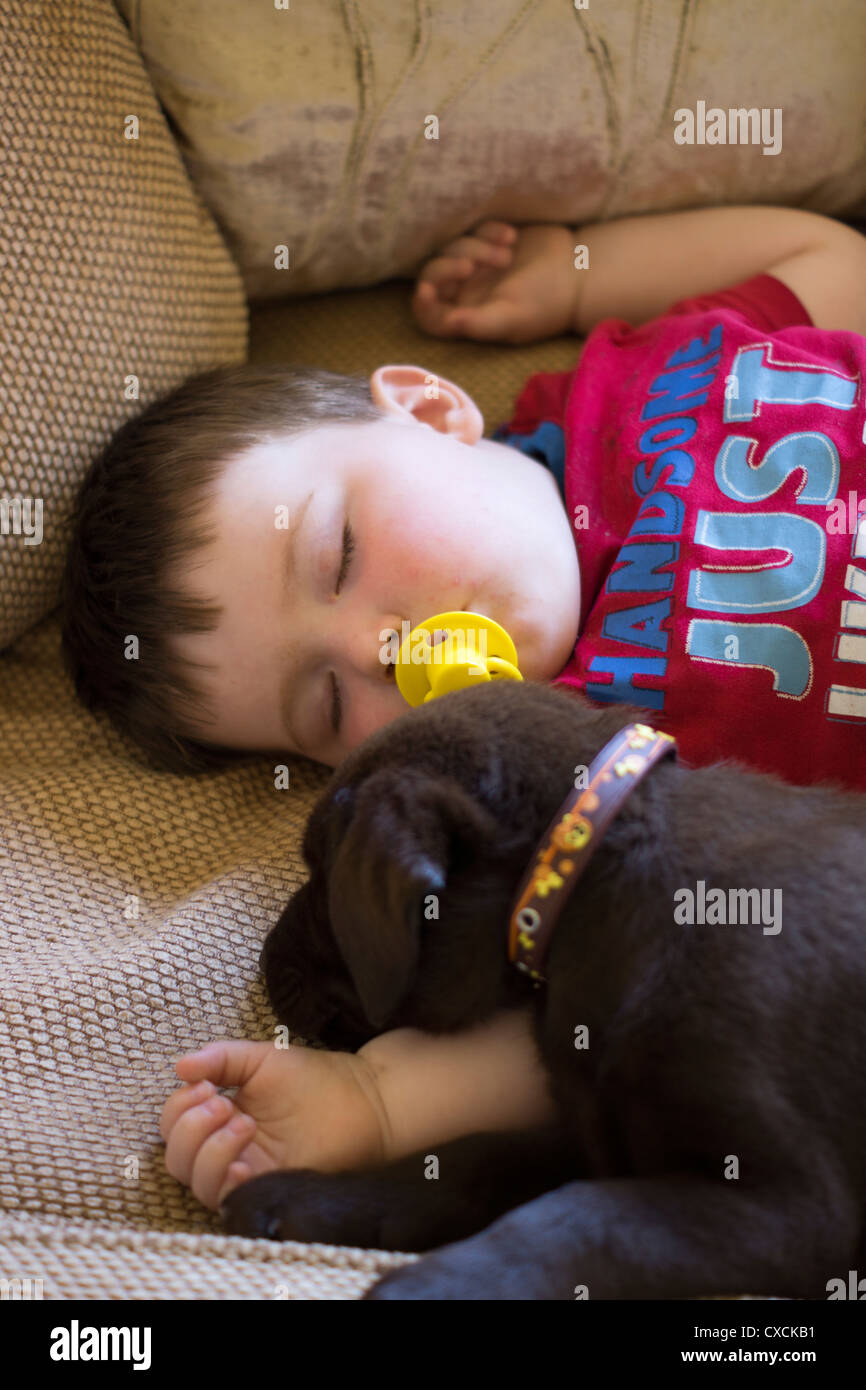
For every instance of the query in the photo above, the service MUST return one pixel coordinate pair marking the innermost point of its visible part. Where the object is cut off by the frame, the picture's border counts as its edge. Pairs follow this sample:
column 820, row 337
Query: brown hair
column 139, row 510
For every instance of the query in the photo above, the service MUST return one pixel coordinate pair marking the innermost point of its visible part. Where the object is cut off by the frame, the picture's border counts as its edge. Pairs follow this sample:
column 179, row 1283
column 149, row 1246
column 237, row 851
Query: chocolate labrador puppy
column 709, row 1072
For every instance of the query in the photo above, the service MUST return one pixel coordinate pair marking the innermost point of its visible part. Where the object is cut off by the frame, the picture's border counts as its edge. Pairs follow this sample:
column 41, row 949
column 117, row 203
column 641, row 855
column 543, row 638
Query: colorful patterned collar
column 572, row 838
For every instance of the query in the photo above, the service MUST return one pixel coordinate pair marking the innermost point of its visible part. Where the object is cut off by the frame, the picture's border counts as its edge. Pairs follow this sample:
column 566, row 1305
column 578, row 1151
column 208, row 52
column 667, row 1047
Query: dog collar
column 572, row 838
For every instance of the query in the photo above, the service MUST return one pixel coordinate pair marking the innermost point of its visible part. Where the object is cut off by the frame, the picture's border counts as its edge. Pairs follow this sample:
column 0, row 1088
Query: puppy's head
column 415, row 851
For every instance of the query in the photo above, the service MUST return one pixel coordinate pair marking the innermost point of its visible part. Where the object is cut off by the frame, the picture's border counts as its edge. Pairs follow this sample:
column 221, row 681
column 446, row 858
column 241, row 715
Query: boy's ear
column 409, row 392
column 394, row 853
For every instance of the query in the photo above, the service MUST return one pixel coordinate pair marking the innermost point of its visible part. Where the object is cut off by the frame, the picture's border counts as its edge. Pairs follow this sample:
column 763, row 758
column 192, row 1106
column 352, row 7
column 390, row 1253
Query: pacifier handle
column 425, row 670
column 498, row 666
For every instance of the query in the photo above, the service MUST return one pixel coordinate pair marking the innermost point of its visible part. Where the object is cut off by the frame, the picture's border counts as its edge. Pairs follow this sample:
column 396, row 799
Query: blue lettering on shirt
column 737, row 581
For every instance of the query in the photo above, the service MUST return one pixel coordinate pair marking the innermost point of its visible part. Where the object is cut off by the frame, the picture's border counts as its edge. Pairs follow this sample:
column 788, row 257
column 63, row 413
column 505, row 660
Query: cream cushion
column 111, row 267
column 308, row 127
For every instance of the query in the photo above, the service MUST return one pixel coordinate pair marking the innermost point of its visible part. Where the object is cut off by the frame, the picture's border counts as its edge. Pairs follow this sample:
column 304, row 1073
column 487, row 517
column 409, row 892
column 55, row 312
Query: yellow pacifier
column 473, row 649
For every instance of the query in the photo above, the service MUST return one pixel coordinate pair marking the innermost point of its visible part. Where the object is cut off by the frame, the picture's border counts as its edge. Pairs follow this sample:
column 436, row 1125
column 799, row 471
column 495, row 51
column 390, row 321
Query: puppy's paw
column 330, row 1208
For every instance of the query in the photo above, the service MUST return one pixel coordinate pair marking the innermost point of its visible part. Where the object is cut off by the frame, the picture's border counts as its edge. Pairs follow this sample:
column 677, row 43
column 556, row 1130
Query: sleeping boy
column 673, row 522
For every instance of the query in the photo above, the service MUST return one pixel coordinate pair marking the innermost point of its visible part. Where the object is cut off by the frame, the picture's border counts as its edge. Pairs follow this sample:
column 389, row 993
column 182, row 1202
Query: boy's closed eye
column 347, row 554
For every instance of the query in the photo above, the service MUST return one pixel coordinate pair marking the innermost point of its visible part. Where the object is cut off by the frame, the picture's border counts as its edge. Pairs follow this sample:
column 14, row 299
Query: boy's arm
column 639, row 266
column 437, row 1087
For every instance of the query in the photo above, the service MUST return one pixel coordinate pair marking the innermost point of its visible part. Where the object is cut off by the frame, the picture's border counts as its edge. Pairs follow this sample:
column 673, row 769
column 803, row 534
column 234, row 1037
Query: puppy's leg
column 671, row 1237
column 412, row 1204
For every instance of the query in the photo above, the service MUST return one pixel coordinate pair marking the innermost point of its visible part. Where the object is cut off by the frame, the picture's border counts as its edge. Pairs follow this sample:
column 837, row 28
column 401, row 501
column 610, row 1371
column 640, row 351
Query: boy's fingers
column 191, row 1131
column 180, row 1101
column 444, row 268
column 431, row 311
column 428, row 296
column 477, row 250
column 502, row 232
column 435, row 318
column 238, row 1173
column 485, row 322
column 226, row 1062
column 211, row 1161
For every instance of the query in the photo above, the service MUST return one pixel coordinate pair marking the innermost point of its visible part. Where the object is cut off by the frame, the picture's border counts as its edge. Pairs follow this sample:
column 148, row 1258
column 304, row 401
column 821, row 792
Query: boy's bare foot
column 295, row 1107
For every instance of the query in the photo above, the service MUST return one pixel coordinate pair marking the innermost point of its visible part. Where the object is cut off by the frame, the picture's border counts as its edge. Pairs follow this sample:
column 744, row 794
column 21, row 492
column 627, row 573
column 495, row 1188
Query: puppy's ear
column 395, row 851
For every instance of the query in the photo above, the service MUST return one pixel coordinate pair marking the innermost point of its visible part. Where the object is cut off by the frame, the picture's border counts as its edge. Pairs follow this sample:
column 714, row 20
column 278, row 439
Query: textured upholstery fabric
column 92, row 1259
column 88, row 296
column 307, row 127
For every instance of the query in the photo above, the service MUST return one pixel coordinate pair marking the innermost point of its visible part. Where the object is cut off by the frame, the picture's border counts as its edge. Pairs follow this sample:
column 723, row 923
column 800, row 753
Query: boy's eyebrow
column 289, row 581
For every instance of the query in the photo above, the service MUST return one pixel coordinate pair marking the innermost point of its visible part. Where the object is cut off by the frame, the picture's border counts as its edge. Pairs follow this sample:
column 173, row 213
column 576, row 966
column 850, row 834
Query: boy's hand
column 295, row 1107
column 502, row 284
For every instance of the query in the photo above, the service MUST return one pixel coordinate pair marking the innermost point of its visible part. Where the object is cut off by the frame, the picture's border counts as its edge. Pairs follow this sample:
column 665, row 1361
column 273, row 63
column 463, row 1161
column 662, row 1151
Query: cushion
column 308, row 127
column 89, row 297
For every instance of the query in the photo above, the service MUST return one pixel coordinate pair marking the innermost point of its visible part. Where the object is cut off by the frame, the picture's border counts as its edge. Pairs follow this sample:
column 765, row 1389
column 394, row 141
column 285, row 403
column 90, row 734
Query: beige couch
column 157, row 153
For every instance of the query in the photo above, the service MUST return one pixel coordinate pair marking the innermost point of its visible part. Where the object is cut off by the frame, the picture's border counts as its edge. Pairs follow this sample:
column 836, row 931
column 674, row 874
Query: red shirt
column 712, row 462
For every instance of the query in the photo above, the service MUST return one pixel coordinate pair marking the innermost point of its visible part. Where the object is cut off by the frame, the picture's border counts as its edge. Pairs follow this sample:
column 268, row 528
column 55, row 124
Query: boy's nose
column 370, row 641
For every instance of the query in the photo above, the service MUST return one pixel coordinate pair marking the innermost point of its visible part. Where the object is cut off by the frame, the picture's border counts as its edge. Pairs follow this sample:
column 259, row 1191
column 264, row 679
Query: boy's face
column 440, row 519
